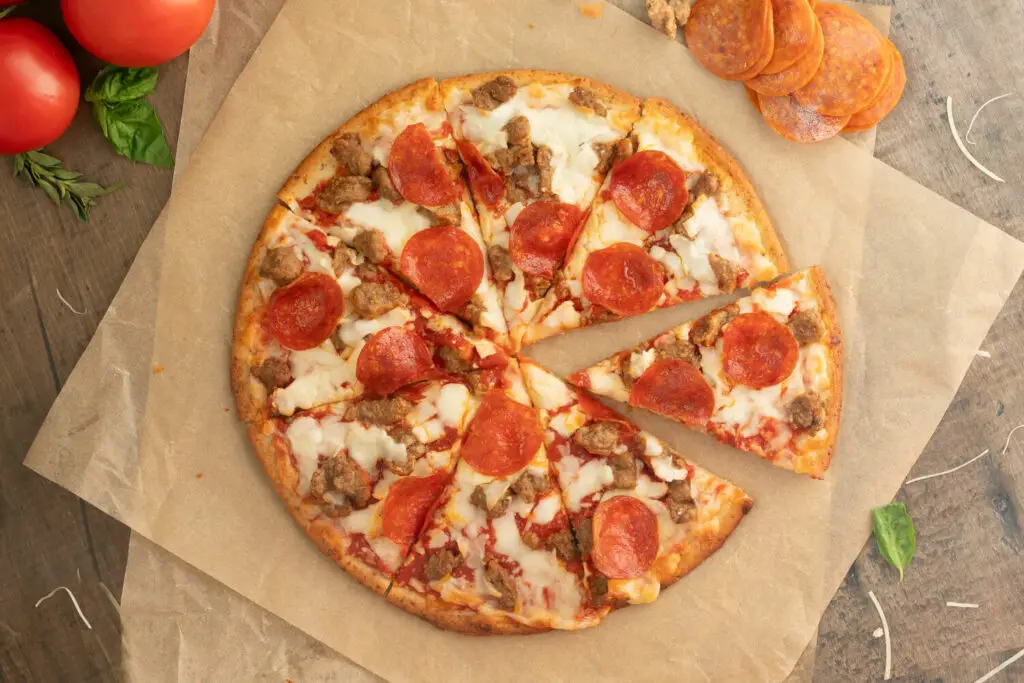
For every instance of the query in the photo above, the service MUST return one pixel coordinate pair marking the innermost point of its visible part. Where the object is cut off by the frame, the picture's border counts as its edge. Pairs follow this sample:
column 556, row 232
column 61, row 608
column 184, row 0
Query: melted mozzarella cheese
column 318, row 261
column 670, row 260
column 548, row 392
column 607, row 383
column 453, row 404
column 696, row 265
column 547, row 508
column 431, row 430
column 354, row 331
column 638, row 591
column 321, row 377
column 369, row 445
column 779, row 301
column 397, row 222
column 579, row 482
column 654, row 132
column 566, row 424
column 639, row 362
column 710, row 228
column 310, row 440
column 348, row 281
column 565, row 316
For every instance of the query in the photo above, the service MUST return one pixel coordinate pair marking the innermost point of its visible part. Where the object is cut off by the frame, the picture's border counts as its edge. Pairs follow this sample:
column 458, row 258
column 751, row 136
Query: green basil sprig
column 894, row 534
column 59, row 184
column 128, row 121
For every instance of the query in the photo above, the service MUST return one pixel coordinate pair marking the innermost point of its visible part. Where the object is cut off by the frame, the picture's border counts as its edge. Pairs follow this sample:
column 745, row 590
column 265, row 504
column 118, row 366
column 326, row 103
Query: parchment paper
column 918, row 283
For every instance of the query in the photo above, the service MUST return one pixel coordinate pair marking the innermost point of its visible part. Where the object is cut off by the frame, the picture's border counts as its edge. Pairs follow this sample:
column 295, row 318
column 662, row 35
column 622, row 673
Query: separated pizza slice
column 497, row 555
column 536, row 146
column 318, row 323
column 675, row 221
column 642, row 515
column 389, row 183
column 764, row 374
column 361, row 475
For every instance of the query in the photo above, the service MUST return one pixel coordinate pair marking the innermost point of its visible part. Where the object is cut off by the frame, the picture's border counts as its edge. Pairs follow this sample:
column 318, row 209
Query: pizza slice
column 642, row 515
column 764, row 374
column 361, row 475
column 497, row 555
column 536, row 146
column 318, row 323
column 389, row 183
column 675, row 221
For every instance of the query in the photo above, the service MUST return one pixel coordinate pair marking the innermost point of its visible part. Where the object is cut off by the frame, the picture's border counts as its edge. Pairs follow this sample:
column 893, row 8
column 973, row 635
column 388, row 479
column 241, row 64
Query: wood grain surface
column 969, row 536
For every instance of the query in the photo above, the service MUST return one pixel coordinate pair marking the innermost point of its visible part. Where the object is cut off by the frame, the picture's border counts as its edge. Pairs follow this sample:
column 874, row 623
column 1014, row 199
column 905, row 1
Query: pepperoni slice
column 391, row 359
column 487, row 185
column 445, row 263
column 623, row 278
column 625, row 538
column 675, row 389
column 406, row 505
column 303, row 314
column 797, row 75
column 880, row 108
column 853, row 68
column 503, row 436
column 417, row 171
column 649, row 189
column 731, row 38
column 758, row 351
column 752, row 96
column 540, row 237
column 794, row 24
column 798, row 122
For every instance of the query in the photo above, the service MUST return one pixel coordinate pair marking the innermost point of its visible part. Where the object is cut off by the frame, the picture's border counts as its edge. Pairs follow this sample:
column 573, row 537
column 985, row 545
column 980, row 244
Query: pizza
column 536, row 147
column 643, row 516
column 674, row 221
column 763, row 373
column 375, row 360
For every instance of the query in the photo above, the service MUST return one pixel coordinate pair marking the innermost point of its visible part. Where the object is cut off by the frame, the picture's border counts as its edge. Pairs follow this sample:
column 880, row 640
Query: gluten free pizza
column 416, row 249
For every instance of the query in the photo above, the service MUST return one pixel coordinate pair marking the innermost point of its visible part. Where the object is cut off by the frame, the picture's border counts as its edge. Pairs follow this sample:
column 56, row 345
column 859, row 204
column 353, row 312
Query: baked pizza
column 536, row 146
column 384, row 302
column 675, row 220
column 763, row 373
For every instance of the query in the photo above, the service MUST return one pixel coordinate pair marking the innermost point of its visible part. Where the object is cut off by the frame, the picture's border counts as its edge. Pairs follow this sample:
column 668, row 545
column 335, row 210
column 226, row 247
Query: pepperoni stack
column 812, row 70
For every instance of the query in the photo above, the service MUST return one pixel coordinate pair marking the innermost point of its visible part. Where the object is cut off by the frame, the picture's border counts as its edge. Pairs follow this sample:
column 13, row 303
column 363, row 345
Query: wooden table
column 969, row 532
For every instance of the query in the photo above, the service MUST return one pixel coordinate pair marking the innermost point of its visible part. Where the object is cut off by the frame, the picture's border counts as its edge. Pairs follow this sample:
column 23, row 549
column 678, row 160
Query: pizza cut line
column 419, row 247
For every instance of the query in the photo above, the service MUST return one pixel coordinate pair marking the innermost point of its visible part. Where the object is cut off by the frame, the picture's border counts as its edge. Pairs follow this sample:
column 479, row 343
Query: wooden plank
column 50, row 537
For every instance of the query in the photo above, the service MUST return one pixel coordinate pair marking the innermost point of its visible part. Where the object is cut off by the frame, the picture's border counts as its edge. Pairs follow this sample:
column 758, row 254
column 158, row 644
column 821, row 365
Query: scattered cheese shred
column 885, row 632
column 999, row 668
column 968, row 605
column 949, row 471
column 1006, row 446
column 66, row 303
column 983, row 354
column 877, row 633
column 73, row 602
column 960, row 144
column 967, row 135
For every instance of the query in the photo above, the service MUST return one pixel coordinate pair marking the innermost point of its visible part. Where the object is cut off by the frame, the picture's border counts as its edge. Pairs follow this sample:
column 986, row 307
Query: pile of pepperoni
column 813, row 70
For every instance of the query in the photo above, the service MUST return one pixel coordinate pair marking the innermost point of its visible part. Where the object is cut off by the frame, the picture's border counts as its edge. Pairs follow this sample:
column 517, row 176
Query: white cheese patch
column 566, row 424
column 321, row 376
column 548, row 392
column 354, row 331
column 429, row 431
column 593, row 476
column 653, row 132
column 639, row 362
column 670, row 260
column 515, row 291
column 612, row 228
column 348, row 281
column 607, row 383
column 369, row 445
column 318, row 261
column 778, row 301
column 397, row 222
column 638, row 591
column 547, row 508
column 453, row 404
column 310, row 440
column 565, row 316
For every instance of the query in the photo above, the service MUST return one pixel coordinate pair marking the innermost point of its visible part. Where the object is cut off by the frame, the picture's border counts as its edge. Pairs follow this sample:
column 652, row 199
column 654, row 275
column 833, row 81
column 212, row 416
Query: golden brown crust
column 525, row 77
column 459, row 619
column 817, row 465
column 329, row 540
column 677, row 564
column 321, row 164
column 724, row 165
column 246, row 346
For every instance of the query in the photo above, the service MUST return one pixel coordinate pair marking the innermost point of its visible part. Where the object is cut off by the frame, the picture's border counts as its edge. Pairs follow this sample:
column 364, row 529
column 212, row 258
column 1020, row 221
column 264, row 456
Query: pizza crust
column 454, row 618
column 320, row 164
column 725, row 166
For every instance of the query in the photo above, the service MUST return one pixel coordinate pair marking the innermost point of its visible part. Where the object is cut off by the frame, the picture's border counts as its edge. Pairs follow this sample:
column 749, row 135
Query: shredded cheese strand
column 73, row 602
column 885, row 632
column 949, row 471
column 999, row 668
column 967, row 135
column 1009, row 436
column 983, row 354
column 66, row 303
column 970, row 605
column 960, row 144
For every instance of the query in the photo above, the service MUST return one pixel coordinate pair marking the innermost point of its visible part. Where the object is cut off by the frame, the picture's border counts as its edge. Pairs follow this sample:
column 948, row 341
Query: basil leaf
column 134, row 131
column 119, row 84
column 894, row 534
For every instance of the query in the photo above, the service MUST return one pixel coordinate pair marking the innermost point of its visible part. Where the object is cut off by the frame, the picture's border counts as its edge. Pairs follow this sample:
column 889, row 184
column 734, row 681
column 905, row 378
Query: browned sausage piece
column 705, row 330
column 502, row 581
column 351, row 156
column 373, row 299
column 442, row 563
column 599, row 438
column 680, row 503
column 501, row 263
column 492, row 93
column 273, row 373
column 806, row 326
column 281, row 265
column 582, row 97
column 372, row 244
column 725, row 271
column 382, row 411
column 341, row 191
column 807, row 412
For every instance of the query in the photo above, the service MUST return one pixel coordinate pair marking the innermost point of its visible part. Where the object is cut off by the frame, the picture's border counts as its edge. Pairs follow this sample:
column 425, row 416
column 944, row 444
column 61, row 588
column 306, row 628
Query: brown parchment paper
column 918, row 283
column 180, row 624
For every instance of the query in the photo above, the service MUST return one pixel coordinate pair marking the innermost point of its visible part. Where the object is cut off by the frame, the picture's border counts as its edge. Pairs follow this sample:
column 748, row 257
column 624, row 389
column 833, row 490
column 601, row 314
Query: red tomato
column 38, row 86
column 137, row 32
